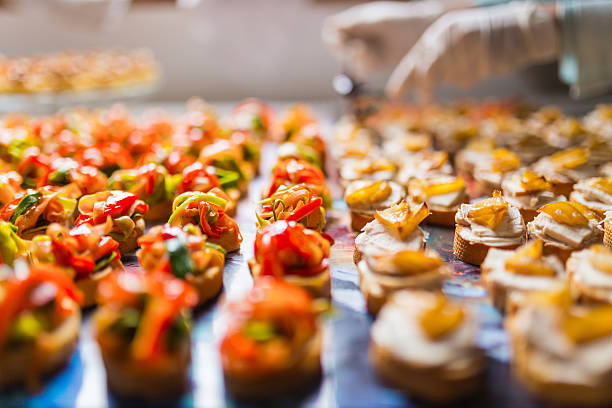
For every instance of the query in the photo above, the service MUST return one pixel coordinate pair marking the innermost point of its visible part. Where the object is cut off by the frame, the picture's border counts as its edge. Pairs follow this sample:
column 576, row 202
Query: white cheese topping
column 494, row 267
column 546, row 228
column 515, row 194
column 376, row 239
column 552, row 353
column 398, row 330
column 510, row 231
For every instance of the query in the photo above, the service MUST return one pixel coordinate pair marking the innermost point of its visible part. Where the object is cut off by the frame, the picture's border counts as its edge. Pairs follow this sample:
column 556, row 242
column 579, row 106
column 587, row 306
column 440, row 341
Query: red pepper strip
column 160, row 313
column 207, row 229
column 192, row 172
column 305, row 210
column 83, row 219
column 64, row 256
column 156, row 319
column 16, row 297
column 148, row 171
column 106, row 245
column 10, row 207
column 118, row 203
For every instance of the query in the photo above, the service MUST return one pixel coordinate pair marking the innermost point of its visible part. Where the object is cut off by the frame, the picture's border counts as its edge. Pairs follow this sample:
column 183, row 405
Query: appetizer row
column 274, row 338
column 403, row 166
column 66, row 244
column 73, row 70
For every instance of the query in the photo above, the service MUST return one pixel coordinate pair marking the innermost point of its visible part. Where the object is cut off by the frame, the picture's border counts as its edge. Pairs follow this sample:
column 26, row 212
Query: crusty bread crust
column 377, row 293
column 131, row 243
column 208, row 284
column 89, row 286
column 562, row 188
column 528, row 214
column 359, row 220
column 318, row 286
column 129, row 379
column 562, row 253
column 564, row 394
column 159, row 212
column 301, row 376
column 439, row 385
column 472, row 252
column 227, row 241
column 357, row 255
column 607, row 239
column 440, row 217
column 28, row 364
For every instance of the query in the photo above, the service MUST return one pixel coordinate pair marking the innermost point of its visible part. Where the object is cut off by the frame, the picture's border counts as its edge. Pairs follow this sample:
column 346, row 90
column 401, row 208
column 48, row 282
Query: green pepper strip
column 198, row 197
column 26, row 202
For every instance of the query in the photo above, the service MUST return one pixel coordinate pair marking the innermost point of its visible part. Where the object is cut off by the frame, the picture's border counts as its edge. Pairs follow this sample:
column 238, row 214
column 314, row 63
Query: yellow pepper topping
column 402, row 219
column 570, row 158
column 588, row 324
column 490, row 211
column 442, row 318
column 416, row 262
column 528, row 261
column 531, row 182
column 505, row 160
column 603, row 184
column 372, row 193
column 601, row 258
column 569, row 213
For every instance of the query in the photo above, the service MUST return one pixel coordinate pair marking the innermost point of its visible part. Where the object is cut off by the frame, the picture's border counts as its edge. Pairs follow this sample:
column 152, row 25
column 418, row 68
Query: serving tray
column 348, row 380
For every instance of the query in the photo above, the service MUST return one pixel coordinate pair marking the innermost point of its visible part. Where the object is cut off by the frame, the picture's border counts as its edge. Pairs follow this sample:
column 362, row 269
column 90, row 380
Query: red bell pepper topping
column 168, row 296
column 9, row 208
column 282, row 248
column 305, row 210
column 18, row 288
column 116, row 204
column 295, row 171
column 195, row 171
column 34, row 161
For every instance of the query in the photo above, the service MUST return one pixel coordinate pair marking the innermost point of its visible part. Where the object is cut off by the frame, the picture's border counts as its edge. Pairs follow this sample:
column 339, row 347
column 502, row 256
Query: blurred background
column 228, row 49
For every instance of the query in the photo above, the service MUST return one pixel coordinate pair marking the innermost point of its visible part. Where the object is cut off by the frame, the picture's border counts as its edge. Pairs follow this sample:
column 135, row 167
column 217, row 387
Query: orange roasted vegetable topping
column 527, row 260
column 402, row 219
column 570, row 158
column 489, row 212
column 372, row 193
column 601, row 258
column 531, row 182
column 374, row 166
column 505, row 160
column 603, row 184
column 588, row 324
column 415, row 262
column 435, row 189
column 569, row 213
column 442, row 318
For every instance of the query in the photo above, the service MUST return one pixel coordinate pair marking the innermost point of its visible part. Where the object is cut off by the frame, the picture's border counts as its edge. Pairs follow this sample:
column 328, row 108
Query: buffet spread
column 125, row 231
